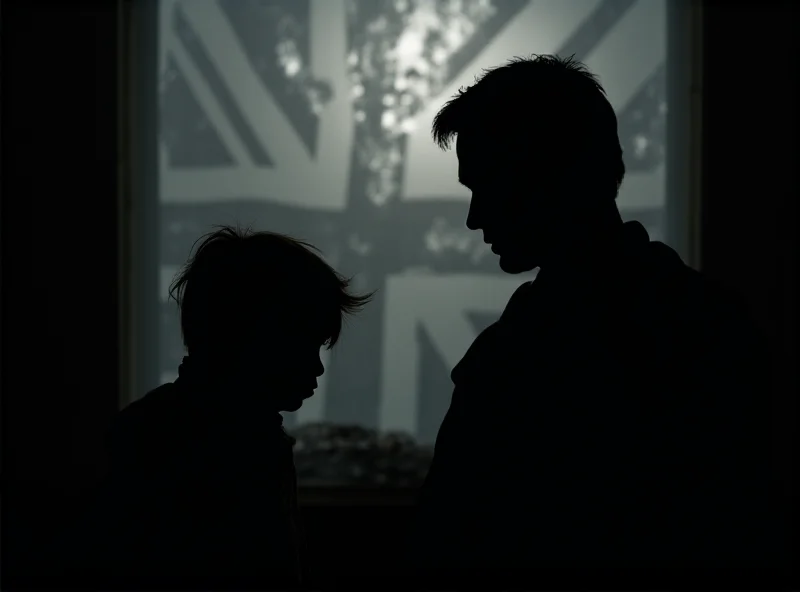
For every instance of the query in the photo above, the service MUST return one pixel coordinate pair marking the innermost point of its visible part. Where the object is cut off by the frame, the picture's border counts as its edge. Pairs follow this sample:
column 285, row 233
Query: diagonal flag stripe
column 223, row 115
column 447, row 298
column 632, row 51
column 461, row 60
column 230, row 59
column 203, row 62
column 591, row 31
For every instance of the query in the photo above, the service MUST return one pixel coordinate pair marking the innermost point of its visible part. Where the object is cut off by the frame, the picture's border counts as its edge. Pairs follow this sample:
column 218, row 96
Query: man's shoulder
column 704, row 314
column 669, row 280
column 520, row 296
column 693, row 289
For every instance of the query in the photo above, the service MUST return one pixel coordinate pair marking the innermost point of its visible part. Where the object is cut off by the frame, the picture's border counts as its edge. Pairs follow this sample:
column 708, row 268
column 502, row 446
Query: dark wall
column 59, row 255
column 60, row 242
column 749, row 181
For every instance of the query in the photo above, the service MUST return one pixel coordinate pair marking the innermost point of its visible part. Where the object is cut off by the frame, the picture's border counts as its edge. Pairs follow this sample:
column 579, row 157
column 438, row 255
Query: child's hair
column 239, row 281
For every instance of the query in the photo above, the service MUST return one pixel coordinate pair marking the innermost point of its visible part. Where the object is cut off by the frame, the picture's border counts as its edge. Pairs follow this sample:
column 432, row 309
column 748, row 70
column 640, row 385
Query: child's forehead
column 307, row 324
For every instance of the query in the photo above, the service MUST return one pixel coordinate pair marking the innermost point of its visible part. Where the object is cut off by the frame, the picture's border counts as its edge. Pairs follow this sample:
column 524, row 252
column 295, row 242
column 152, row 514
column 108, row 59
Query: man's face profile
column 509, row 201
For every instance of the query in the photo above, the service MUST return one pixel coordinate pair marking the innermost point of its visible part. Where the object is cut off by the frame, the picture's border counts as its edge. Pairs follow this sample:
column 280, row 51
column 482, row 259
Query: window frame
column 139, row 211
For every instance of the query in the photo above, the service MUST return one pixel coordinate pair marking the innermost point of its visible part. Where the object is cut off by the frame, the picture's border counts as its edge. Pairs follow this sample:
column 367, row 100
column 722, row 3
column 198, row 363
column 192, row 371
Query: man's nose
column 320, row 369
column 473, row 219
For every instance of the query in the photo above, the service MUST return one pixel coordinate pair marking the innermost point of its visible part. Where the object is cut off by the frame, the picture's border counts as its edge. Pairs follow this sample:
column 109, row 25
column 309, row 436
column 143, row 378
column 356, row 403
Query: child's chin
column 292, row 405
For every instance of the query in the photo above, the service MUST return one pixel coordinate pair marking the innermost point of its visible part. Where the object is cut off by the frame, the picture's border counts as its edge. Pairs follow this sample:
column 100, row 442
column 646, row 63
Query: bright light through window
column 313, row 118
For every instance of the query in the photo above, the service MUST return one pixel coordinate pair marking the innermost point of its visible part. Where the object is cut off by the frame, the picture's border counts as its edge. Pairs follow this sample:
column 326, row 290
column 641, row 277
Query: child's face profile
column 284, row 368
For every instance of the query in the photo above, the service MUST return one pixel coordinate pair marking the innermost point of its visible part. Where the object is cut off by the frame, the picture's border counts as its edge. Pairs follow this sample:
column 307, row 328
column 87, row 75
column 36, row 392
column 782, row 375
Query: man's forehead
column 479, row 155
column 468, row 142
column 491, row 143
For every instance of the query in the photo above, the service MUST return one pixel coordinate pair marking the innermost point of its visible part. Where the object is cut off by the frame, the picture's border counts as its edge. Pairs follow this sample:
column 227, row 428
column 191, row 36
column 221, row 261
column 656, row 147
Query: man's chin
column 513, row 265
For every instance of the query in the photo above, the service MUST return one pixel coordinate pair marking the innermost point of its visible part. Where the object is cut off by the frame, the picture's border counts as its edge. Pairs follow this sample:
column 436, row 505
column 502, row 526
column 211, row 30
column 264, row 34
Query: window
column 313, row 118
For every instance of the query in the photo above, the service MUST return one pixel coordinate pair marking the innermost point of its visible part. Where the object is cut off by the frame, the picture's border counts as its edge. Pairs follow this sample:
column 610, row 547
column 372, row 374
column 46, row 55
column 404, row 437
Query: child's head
column 261, row 305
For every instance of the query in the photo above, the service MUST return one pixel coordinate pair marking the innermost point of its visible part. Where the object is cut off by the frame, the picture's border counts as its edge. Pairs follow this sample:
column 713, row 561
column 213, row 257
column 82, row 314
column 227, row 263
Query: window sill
column 310, row 496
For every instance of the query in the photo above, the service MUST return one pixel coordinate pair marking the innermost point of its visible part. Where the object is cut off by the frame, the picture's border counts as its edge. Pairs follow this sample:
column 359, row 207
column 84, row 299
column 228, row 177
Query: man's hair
column 238, row 280
column 551, row 100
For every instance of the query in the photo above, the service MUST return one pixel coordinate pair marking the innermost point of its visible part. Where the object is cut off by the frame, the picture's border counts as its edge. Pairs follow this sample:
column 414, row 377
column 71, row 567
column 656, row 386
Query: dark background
column 61, row 296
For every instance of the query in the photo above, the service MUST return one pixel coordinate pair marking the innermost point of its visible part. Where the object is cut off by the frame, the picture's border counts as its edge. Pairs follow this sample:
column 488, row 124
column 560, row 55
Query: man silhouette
column 617, row 413
column 202, row 485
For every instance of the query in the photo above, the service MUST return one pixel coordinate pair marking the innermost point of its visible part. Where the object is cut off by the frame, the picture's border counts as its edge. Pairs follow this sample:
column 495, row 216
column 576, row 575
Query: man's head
column 537, row 145
column 257, row 307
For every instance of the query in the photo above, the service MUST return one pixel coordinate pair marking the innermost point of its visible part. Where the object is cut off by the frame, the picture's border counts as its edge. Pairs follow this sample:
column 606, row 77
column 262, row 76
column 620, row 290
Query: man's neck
column 585, row 244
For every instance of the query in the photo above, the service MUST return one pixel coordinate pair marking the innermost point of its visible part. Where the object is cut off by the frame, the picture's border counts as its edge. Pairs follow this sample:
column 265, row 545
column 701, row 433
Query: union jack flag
column 312, row 117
